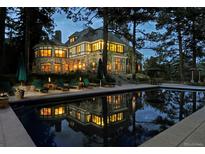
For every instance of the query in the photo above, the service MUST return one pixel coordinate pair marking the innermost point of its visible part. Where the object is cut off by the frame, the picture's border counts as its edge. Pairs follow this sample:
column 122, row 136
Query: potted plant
column 19, row 93
column 4, row 102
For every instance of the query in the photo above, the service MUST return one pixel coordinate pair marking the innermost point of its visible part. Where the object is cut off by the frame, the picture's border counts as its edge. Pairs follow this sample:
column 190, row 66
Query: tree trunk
column 105, row 39
column 133, row 50
column 181, row 62
column 194, row 52
column 27, row 38
column 2, row 39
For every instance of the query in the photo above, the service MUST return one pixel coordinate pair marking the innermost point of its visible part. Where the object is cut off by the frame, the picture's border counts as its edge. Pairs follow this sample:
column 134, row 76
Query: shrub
column 142, row 77
column 110, row 79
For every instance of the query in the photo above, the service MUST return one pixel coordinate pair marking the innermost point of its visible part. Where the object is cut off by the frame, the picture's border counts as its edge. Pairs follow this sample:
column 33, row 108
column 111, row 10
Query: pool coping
column 187, row 133
column 12, row 131
column 104, row 91
column 83, row 94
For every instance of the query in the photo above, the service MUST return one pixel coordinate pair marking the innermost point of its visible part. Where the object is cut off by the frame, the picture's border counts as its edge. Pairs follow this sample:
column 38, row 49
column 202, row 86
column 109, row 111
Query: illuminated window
column 72, row 51
column 109, row 99
column 109, row 67
column 45, row 112
column 59, row 111
column 46, row 67
column 60, row 53
column 96, row 120
column 78, row 49
column 112, row 47
column 83, row 66
column 45, row 52
column 72, row 39
column 94, row 47
column 57, row 68
column 93, row 66
column 88, row 118
column 66, row 67
column 79, row 65
column 113, row 118
column 88, row 47
column 118, row 65
column 78, row 115
column 74, row 65
column 119, row 116
column 97, row 46
column 108, row 121
column 138, row 67
column 119, row 48
column 117, row 102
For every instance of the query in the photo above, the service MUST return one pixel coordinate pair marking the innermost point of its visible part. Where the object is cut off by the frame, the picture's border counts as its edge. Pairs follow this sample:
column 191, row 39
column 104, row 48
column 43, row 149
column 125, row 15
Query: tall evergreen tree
column 127, row 25
column 171, row 23
column 195, row 33
column 34, row 24
column 2, row 38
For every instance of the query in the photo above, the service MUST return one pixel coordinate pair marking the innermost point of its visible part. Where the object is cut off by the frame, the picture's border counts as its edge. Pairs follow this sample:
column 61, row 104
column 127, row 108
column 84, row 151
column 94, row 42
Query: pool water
column 120, row 120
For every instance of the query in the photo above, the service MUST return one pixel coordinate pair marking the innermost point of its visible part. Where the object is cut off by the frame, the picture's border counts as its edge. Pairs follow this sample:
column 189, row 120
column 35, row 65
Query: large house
column 82, row 52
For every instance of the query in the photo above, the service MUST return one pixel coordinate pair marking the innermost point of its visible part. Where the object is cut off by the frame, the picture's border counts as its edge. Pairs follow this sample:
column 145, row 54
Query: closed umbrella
column 21, row 72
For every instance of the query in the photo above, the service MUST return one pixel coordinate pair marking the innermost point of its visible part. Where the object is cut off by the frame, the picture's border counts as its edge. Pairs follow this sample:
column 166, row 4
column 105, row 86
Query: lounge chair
column 61, row 86
column 74, row 84
column 38, row 84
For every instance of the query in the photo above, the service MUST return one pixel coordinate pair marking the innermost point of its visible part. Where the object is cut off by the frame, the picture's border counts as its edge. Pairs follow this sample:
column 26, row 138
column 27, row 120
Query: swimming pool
column 118, row 120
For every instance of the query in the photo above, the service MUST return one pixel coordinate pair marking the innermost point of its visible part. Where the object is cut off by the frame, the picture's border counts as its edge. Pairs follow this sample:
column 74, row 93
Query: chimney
column 58, row 35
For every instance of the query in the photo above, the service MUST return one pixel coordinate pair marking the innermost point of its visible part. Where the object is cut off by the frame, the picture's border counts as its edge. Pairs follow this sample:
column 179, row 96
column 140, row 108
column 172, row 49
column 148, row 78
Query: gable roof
column 47, row 42
column 91, row 35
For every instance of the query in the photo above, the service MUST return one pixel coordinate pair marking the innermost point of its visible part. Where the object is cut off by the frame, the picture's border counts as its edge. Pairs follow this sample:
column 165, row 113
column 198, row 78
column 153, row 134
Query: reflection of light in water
column 45, row 112
column 98, row 120
column 50, row 111
column 133, row 103
column 59, row 110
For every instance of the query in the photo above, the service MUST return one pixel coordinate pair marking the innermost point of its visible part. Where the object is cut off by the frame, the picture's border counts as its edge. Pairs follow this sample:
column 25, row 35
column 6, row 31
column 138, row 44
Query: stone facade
column 81, row 52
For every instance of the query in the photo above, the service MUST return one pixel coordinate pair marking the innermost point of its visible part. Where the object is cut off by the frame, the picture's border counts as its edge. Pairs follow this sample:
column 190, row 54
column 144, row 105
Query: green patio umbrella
column 21, row 72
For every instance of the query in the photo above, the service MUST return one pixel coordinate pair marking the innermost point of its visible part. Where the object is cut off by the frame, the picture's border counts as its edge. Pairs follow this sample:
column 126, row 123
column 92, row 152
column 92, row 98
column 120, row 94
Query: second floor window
column 43, row 52
column 78, row 49
column 60, row 53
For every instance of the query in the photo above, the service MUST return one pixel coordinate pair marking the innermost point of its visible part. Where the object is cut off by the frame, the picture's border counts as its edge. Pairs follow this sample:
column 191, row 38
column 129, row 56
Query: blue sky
column 68, row 27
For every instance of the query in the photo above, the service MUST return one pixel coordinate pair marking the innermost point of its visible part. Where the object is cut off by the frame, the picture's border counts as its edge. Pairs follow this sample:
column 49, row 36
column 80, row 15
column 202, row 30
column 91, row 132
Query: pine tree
column 2, row 38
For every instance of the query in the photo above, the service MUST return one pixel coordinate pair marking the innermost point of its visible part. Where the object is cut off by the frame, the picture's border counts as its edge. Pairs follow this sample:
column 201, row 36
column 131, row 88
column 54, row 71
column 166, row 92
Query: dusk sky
column 68, row 27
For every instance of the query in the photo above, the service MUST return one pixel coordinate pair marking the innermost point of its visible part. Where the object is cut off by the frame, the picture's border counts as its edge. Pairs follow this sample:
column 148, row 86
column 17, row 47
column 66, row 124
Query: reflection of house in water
column 90, row 112
column 52, row 112
column 88, row 117
column 54, row 115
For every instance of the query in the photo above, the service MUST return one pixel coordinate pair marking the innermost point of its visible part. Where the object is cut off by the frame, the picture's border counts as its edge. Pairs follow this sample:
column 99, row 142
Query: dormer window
column 72, row 39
